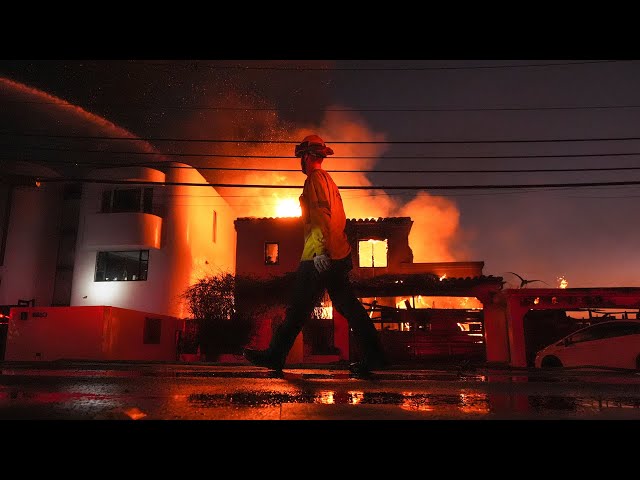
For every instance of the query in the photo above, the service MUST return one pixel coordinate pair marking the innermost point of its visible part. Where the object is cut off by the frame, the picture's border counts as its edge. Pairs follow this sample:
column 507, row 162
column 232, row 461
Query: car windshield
column 605, row 330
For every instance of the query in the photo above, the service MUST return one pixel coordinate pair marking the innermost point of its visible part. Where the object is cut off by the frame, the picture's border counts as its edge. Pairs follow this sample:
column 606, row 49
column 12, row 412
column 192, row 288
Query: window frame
column 384, row 241
column 142, row 266
column 144, row 200
column 266, row 253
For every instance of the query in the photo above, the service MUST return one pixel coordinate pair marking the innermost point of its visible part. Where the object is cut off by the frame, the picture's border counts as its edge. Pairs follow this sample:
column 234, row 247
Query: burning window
column 318, row 331
column 271, row 253
column 372, row 253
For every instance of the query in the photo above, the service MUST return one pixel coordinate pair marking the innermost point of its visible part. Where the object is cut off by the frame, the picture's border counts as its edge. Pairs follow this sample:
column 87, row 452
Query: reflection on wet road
column 177, row 392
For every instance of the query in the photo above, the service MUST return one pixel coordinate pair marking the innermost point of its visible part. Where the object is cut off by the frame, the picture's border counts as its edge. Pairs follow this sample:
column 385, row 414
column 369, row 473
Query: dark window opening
column 72, row 191
column 152, row 330
column 127, row 200
column 147, row 199
column 106, row 201
column 319, row 331
column 215, row 226
column 122, row 266
column 271, row 253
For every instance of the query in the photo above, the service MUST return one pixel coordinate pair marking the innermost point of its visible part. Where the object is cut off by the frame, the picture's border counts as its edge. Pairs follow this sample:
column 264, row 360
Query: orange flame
column 420, row 301
column 288, row 207
column 435, row 219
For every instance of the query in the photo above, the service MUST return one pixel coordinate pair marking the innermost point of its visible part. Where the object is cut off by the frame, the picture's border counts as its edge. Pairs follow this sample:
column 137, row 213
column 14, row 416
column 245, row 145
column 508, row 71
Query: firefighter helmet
column 314, row 145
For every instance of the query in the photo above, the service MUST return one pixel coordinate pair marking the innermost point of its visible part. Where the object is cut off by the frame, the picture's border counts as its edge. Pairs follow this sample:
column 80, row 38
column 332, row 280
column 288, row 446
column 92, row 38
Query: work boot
column 363, row 369
column 263, row 358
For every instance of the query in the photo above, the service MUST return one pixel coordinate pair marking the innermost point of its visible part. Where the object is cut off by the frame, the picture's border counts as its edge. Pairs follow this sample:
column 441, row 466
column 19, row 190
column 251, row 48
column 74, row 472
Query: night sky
column 466, row 123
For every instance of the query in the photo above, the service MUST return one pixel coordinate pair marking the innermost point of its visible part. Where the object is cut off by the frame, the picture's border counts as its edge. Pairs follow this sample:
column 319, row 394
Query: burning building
column 135, row 237
column 421, row 309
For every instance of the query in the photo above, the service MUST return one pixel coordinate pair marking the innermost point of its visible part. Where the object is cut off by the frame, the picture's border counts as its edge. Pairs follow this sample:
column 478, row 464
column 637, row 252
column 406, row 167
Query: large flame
column 434, row 234
column 420, row 301
column 288, row 207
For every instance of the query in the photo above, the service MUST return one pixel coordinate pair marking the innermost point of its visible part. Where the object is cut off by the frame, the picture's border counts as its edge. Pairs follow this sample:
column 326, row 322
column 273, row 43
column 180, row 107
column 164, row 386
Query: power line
column 550, row 188
column 294, row 142
column 445, row 194
column 330, row 109
column 335, row 157
column 299, row 68
column 250, row 169
column 344, row 187
column 195, row 65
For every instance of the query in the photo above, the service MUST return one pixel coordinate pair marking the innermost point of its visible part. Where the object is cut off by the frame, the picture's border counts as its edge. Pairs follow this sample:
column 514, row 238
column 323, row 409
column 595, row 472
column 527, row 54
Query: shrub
column 218, row 328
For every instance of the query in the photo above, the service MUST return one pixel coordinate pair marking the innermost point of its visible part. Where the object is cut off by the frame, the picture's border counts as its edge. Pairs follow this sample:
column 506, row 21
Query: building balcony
column 126, row 230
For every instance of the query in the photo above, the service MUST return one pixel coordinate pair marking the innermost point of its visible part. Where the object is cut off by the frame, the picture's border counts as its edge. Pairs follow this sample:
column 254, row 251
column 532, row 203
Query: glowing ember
column 443, row 277
column 327, row 397
column 288, row 207
column 135, row 413
column 562, row 282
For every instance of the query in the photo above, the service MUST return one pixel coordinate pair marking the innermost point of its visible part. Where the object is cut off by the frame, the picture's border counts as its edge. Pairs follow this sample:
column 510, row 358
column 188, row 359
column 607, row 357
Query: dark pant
column 309, row 288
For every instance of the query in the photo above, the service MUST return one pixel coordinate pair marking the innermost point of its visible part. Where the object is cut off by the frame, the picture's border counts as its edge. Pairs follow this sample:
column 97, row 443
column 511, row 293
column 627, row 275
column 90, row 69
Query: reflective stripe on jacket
column 323, row 217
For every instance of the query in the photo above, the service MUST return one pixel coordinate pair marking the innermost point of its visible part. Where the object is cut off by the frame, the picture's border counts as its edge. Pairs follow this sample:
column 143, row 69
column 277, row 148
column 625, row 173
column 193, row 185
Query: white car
column 610, row 344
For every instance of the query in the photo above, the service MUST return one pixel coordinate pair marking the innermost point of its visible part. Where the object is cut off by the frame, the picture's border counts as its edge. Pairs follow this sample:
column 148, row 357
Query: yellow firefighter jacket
column 323, row 217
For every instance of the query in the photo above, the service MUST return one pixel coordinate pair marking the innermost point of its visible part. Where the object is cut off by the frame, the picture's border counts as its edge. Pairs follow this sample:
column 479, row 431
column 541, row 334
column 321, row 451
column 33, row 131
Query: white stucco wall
column 187, row 249
column 28, row 270
column 188, row 243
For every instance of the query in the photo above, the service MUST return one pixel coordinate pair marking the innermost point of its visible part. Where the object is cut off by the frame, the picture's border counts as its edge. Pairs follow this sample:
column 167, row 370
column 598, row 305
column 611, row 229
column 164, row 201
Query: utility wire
column 249, row 169
column 298, row 68
column 344, row 187
column 295, row 142
column 333, row 157
column 444, row 194
column 330, row 109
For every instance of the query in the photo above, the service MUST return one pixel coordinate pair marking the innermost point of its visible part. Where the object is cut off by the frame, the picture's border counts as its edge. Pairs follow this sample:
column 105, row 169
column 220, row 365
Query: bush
column 217, row 327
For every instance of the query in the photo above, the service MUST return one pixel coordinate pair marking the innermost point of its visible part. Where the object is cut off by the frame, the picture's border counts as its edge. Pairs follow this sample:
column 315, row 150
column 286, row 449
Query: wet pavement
column 209, row 391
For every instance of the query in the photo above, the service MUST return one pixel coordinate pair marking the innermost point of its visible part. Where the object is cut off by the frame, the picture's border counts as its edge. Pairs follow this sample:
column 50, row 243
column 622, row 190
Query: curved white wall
column 186, row 251
column 123, row 230
column 32, row 245
column 189, row 249
column 28, row 270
